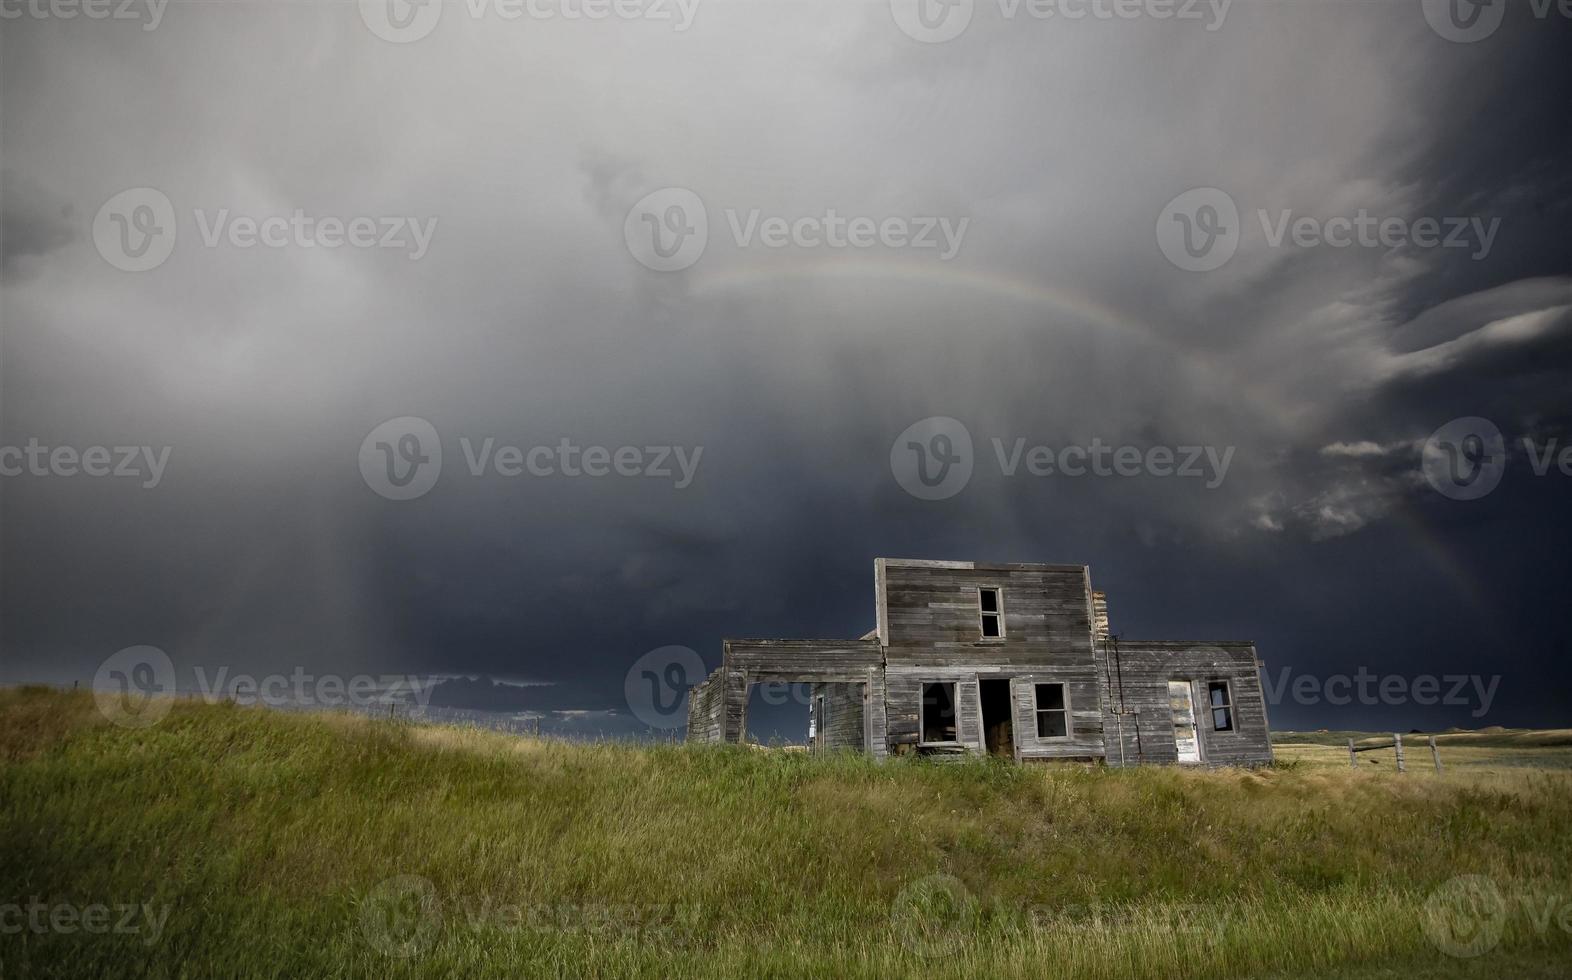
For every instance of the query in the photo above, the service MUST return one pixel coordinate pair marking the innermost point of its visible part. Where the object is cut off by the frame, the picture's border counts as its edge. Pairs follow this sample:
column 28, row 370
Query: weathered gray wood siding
column 929, row 620
column 903, row 704
column 844, row 725
column 1085, row 738
column 808, row 661
column 706, row 703
column 722, row 704
column 1146, row 667
column 1055, row 631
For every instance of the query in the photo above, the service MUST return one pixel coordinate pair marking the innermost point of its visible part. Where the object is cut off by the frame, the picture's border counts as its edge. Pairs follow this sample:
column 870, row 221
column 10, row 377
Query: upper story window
column 990, row 603
column 1217, row 696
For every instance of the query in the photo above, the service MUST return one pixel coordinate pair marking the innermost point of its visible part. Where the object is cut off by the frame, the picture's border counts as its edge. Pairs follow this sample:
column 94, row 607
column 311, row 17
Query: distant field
column 250, row 843
column 1484, row 749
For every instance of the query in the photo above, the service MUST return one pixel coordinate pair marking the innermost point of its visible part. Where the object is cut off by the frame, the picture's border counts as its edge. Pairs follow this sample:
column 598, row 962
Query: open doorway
column 776, row 716
column 938, row 714
column 997, row 721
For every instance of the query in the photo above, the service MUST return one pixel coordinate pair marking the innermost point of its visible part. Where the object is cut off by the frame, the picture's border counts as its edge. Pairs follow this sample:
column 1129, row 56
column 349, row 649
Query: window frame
column 997, row 614
column 922, row 706
column 1038, row 711
column 1227, row 706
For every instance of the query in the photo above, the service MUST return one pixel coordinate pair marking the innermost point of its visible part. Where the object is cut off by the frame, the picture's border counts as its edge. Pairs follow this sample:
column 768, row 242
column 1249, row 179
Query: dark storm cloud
column 528, row 321
column 31, row 223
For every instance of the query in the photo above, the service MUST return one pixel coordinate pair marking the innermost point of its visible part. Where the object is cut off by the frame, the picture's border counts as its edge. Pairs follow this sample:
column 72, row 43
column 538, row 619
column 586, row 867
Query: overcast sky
column 1038, row 292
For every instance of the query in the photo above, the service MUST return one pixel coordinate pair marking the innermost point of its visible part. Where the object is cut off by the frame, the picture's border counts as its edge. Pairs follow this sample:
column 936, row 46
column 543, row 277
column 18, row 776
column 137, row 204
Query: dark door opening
column 997, row 720
column 938, row 712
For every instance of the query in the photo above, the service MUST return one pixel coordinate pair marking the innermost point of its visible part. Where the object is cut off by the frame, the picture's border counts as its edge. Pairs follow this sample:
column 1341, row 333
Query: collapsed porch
column 718, row 706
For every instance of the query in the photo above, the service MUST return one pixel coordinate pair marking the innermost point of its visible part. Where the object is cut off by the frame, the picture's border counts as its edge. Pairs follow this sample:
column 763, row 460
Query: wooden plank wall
column 876, row 713
column 722, row 704
column 1056, row 629
column 845, row 727
column 903, row 705
column 705, row 702
column 1147, row 666
column 1085, row 740
column 823, row 660
column 929, row 619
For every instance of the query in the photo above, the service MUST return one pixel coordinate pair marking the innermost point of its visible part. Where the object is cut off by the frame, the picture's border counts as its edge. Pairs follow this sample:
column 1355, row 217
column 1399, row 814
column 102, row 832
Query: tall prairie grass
column 304, row 845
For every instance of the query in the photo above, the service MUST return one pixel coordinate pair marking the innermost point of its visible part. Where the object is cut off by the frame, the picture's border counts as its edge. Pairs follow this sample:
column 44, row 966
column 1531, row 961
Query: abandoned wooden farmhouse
column 1013, row 660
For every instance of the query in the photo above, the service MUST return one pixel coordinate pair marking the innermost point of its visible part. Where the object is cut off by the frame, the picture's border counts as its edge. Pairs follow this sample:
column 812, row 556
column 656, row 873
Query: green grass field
column 229, row 841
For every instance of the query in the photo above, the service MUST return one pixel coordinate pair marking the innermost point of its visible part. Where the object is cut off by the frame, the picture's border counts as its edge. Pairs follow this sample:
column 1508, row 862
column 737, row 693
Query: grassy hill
column 242, row 842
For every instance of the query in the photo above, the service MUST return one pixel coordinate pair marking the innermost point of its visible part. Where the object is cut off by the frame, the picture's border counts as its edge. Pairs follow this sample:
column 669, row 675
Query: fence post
column 1353, row 761
column 1435, row 754
column 1397, row 743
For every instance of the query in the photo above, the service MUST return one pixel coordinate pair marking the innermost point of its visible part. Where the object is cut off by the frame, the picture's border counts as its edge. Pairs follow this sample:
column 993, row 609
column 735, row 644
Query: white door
column 1184, row 721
